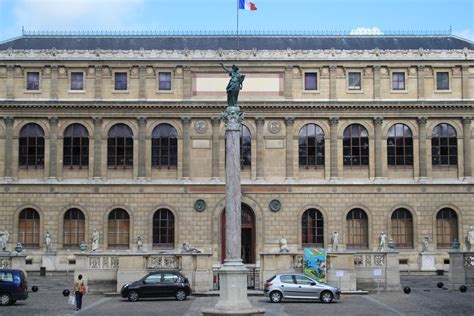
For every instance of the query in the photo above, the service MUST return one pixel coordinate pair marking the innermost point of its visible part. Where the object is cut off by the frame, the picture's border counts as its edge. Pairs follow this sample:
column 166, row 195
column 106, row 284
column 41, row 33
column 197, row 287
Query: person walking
column 79, row 290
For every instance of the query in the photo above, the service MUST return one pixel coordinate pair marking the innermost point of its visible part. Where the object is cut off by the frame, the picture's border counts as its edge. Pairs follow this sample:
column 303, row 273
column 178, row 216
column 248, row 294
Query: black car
column 158, row 284
column 13, row 286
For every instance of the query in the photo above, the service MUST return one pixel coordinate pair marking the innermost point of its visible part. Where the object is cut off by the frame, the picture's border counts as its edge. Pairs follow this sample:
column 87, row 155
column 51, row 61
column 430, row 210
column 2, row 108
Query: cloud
column 366, row 31
column 76, row 14
column 466, row 33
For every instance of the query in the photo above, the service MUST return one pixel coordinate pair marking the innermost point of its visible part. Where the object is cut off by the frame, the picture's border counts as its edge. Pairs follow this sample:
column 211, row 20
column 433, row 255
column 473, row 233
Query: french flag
column 247, row 5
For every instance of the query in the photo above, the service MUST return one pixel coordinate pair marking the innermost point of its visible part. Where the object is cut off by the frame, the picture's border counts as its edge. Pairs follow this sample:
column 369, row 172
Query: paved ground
column 425, row 299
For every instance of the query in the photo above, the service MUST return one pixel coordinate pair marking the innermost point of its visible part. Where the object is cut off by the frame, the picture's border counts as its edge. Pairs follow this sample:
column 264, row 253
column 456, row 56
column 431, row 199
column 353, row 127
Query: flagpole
column 238, row 39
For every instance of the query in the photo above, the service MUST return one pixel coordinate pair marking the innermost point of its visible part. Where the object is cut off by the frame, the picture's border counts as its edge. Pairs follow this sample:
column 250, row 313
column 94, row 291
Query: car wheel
column 180, row 295
column 275, row 297
column 326, row 297
column 133, row 296
column 5, row 299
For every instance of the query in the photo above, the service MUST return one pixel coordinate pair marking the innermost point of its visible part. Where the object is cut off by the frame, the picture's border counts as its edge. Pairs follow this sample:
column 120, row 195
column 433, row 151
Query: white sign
column 339, row 273
column 377, row 272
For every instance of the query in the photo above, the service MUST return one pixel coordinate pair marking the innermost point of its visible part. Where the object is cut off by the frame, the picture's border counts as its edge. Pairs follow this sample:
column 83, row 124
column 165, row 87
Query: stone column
column 466, row 123
column 215, row 121
column 376, row 82
column 54, row 82
column 333, row 122
column 187, row 83
column 288, row 83
column 142, row 83
column 260, row 147
column 10, row 82
column 421, row 82
column 53, row 150
column 141, row 147
column 8, row 173
column 465, row 82
column 378, row 121
column 186, row 121
column 332, row 82
column 98, row 83
column 290, row 122
column 97, row 147
column 422, row 144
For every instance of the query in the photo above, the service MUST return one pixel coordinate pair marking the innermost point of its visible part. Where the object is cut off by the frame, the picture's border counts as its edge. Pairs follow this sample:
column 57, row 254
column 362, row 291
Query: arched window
column 399, row 146
column 311, row 146
column 164, row 147
column 446, row 227
column 29, row 228
column 402, row 228
column 163, row 229
column 74, row 228
column 245, row 147
column 444, row 148
column 120, row 147
column 76, row 146
column 312, row 225
column 357, row 229
column 31, row 151
column 356, row 146
column 119, row 229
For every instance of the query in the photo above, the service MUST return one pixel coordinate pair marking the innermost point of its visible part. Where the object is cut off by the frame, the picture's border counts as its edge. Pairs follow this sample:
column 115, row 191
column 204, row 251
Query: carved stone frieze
column 5, row 263
column 162, row 262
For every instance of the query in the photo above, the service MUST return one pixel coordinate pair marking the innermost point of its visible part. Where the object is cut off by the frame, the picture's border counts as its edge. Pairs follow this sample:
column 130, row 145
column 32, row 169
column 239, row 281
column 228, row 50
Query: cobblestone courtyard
column 425, row 299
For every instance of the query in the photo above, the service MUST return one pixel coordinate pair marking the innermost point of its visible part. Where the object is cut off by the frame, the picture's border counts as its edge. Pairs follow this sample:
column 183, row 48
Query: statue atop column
column 470, row 238
column 235, row 84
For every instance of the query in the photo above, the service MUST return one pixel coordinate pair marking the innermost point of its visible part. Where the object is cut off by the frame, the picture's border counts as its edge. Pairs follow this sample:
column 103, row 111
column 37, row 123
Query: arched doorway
column 247, row 235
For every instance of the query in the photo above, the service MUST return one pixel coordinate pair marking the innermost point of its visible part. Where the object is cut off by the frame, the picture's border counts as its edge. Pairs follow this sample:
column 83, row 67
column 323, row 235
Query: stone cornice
column 327, row 55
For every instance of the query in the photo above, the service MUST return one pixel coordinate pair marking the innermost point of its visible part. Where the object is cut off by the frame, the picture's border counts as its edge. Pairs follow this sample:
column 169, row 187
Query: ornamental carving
column 200, row 205
column 469, row 260
column 466, row 120
column 274, row 127
column 368, row 260
column 298, row 261
column 106, row 262
column 379, row 260
column 422, row 120
column 275, row 205
column 233, row 118
column 333, row 121
column 94, row 262
column 200, row 127
column 358, row 260
column 5, row 264
column 163, row 262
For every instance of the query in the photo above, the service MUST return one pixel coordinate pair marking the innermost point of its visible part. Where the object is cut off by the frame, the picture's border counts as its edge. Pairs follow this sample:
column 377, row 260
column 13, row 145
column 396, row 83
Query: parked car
column 298, row 286
column 13, row 286
column 158, row 284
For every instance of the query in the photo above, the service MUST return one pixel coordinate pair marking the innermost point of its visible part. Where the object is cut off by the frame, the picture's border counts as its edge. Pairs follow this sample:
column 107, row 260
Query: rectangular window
column 77, row 81
column 442, row 81
column 164, row 81
column 398, row 81
column 355, row 81
column 120, row 81
column 32, row 81
column 311, row 81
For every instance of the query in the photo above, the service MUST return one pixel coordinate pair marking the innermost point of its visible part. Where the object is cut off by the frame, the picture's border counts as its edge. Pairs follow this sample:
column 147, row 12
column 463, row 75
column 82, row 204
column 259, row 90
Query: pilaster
column 290, row 172
column 422, row 121
column 333, row 122
column 466, row 123
column 465, row 82
column 54, row 82
column 376, row 82
column 98, row 83
column 141, row 147
column 421, row 82
column 97, row 147
column 142, row 83
column 215, row 121
column 332, row 82
column 260, row 121
column 8, row 120
column 53, row 149
column 378, row 121
column 186, row 121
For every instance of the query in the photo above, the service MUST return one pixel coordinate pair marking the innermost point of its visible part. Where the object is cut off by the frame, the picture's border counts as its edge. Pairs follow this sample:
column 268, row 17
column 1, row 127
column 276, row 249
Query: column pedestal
column 427, row 261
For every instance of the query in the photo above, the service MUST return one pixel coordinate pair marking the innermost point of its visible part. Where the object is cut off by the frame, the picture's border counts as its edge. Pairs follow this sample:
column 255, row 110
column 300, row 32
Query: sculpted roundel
column 200, row 127
column 274, row 127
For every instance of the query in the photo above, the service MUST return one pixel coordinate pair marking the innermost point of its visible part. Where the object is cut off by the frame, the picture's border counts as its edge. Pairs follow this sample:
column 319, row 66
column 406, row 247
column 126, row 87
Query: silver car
column 298, row 286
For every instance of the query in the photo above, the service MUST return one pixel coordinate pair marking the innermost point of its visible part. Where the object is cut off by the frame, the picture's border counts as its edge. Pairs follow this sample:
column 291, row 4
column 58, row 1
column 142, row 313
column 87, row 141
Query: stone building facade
column 123, row 134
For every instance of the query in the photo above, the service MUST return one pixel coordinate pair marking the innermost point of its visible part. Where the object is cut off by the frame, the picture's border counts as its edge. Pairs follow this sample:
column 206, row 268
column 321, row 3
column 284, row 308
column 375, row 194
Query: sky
column 220, row 15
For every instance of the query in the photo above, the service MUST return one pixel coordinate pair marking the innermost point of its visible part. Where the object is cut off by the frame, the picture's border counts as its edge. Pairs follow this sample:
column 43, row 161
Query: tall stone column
column 333, row 122
column 290, row 172
column 260, row 147
column 186, row 121
column 53, row 146
column 422, row 146
column 141, row 147
column 215, row 121
column 378, row 121
column 421, row 82
column 332, row 82
column 97, row 173
column 8, row 173
column 466, row 123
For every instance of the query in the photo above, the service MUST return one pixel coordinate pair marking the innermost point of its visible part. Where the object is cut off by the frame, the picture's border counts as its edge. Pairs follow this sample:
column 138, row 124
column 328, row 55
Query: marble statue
column 139, row 244
column 186, row 248
column 49, row 242
column 284, row 245
column 425, row 244
column 382, row 241
column 4, row 236
column 335, row 241
column 470, row 238
column 235, row 84
column 95, row 240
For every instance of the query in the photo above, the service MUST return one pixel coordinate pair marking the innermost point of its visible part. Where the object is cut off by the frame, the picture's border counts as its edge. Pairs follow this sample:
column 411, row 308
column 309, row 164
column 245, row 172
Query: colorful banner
column 315, row 263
